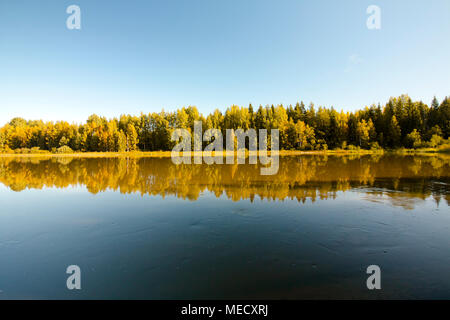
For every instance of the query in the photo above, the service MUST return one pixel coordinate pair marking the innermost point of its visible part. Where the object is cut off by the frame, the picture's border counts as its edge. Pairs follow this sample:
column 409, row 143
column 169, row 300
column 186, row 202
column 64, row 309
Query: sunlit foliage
column 400, row 123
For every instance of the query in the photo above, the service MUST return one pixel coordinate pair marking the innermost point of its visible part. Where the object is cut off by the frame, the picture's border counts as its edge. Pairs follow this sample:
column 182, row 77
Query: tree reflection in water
column 403, row 180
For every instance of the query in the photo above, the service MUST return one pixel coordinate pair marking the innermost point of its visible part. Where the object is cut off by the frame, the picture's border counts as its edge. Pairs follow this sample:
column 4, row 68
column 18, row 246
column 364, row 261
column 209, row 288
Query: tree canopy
column 401, row 122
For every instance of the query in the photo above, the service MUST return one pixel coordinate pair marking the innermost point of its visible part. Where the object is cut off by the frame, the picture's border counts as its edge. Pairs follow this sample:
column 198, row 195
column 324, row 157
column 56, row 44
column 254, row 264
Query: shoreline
column 167, row 154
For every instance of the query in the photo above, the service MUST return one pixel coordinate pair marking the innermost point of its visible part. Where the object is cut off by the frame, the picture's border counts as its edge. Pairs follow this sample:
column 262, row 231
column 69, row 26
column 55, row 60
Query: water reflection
column 184, row 243
column 398, row 179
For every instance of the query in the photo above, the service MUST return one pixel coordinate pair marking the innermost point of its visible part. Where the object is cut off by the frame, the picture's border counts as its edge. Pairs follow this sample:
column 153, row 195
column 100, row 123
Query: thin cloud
column 352, row 61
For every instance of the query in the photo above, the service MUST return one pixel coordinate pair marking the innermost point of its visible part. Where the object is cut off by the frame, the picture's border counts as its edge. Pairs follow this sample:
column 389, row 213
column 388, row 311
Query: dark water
column 146, row 228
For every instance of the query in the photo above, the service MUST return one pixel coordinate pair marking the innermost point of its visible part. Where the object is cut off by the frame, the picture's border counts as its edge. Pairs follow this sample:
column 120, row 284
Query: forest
column 400, row 123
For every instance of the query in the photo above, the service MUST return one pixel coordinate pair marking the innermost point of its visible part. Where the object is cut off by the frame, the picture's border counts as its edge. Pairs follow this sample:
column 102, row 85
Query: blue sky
column 133, row 56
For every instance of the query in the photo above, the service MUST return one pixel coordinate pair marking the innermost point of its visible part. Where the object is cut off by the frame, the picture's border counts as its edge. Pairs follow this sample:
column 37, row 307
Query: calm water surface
column 146, row 228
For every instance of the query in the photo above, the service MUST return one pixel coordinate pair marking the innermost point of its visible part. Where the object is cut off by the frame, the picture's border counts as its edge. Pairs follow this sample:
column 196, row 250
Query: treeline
column 401, row 122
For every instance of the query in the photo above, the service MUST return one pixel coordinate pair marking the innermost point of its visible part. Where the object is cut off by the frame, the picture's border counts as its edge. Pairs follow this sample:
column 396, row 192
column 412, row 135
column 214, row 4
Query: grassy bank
column 445, row 148
column 440, row 149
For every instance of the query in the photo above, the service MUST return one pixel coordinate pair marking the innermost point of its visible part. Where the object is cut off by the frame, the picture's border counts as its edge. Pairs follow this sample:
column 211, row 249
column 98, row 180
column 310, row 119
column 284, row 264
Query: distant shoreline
column 167, row 154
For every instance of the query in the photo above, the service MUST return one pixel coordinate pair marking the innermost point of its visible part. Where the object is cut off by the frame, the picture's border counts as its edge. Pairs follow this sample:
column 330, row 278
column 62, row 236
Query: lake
column 145, row 228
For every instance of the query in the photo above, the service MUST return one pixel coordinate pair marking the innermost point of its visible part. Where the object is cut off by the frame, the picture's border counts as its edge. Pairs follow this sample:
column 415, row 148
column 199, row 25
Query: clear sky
column 133, row 56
